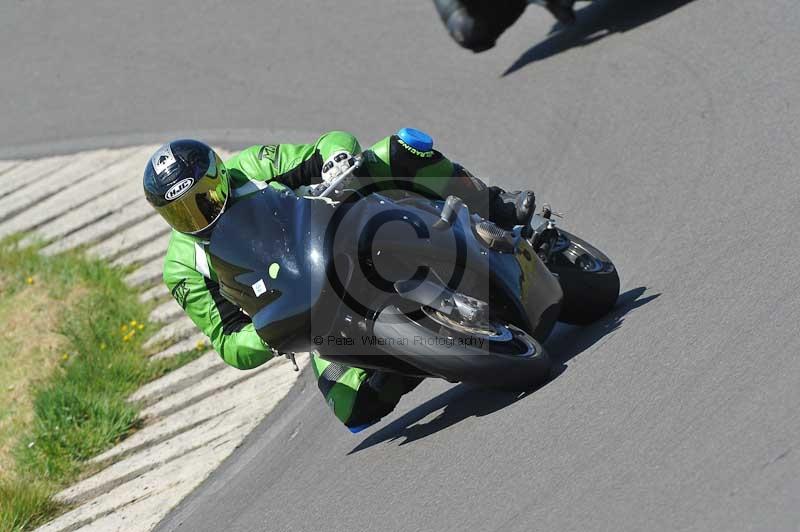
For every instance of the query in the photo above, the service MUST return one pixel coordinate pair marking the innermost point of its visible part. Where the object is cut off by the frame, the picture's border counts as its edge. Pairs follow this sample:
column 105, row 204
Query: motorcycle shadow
column 568, row 341
column 463, row 401
column 596, row 21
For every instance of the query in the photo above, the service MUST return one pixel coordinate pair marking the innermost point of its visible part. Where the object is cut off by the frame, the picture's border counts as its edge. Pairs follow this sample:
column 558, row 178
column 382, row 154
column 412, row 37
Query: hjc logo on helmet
column 178, row 189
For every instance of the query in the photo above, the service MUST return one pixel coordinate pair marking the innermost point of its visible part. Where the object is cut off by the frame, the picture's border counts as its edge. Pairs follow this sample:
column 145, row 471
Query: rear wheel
column 487, row 353
column 588, row 278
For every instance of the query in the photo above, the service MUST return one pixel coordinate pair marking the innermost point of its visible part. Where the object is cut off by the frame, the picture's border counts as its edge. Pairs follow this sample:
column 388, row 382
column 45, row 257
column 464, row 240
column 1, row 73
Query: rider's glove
column 508, row 209
column 338, row 163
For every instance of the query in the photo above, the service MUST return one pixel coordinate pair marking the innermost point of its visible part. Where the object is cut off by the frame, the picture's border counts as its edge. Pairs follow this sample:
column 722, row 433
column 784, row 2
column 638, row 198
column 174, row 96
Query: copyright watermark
column 411, row 341
column 393, row 234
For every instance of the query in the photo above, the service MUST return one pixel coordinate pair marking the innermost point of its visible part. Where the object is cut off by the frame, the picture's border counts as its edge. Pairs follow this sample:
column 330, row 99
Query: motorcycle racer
column 190, row 186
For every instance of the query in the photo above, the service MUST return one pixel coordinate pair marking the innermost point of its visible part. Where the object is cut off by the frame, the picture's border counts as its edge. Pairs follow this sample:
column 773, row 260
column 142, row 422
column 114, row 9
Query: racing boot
column 359, row 397
column 562, row 10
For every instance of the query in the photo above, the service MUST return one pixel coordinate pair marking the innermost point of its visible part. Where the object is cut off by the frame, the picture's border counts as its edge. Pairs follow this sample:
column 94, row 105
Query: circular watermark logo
column 387, row 241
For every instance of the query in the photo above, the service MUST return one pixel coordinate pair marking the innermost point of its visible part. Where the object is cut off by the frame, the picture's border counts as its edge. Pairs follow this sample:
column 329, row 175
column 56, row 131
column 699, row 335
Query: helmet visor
column 197, row 208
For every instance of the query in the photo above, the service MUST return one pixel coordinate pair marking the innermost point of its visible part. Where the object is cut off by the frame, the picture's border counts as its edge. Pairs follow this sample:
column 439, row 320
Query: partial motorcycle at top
column 405, row 284
column 477, row 24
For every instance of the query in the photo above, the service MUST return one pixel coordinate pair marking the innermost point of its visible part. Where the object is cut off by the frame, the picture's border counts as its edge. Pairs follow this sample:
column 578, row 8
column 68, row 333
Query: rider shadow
column 463, row 401
column 598, row 20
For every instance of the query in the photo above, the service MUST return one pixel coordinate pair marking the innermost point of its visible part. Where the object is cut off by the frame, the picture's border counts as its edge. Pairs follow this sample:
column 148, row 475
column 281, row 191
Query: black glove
column 508, row 209
column 337, row 164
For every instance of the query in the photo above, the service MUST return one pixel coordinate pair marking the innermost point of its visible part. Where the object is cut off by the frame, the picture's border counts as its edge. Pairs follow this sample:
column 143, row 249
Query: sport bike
column 406, row 284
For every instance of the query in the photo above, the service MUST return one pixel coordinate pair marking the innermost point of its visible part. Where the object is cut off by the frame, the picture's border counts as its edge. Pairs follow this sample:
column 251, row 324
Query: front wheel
column 494, row 355
column 588, row 278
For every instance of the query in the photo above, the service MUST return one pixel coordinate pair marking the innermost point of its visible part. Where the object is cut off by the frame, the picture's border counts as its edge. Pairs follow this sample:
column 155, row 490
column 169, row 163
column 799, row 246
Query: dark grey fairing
column 338, row 265
column 274, row 228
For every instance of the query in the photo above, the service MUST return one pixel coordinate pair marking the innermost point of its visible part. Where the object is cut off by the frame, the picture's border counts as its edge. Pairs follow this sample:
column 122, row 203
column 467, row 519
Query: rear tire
column 588, row 278
column 508, row 359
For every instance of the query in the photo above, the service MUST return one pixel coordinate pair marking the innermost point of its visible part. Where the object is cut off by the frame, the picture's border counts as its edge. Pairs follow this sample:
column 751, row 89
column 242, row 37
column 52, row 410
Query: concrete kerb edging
column 178, row 379
column 190, row 439
column 196, row 341
column 156, row 293
column 193, row 415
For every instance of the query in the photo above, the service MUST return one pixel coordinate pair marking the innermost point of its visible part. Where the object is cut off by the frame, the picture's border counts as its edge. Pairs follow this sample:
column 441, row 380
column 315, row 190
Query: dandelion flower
column 29, row 280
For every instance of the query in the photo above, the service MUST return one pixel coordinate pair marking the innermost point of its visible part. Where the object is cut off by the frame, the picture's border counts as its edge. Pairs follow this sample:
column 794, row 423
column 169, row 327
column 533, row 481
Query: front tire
column 588, row 278
column 503, row 357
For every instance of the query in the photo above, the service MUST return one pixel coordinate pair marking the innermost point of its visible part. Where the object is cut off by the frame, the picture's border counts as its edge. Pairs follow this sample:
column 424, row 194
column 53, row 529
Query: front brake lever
column 547, row 212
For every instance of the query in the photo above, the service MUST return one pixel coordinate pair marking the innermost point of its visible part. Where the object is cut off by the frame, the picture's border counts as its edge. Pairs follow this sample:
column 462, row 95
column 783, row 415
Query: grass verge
column 70, row 355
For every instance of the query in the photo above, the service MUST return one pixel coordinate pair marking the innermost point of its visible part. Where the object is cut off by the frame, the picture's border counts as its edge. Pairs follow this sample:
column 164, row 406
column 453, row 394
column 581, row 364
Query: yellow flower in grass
column 65, row 357
column 140, row 326
column 123, row 327
column 29, row 280
column 102, row 346
column 200, row 344
column 133, row 323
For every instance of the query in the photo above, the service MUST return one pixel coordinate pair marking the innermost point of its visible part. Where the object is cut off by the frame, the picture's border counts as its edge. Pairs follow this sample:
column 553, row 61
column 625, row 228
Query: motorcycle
column 412, row 286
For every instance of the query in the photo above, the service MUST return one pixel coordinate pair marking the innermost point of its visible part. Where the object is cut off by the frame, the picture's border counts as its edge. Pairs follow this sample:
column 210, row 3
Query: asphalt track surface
column 668, row 133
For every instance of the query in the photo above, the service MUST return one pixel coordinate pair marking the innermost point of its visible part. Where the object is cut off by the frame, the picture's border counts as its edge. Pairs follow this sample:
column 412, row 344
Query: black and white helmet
column 187, row 184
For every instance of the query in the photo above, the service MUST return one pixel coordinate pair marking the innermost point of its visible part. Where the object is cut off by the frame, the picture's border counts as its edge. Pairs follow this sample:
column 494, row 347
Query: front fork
column 545, row 236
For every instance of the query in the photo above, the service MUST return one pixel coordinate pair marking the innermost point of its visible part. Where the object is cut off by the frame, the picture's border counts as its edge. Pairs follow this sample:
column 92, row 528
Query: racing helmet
column 187, row 184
